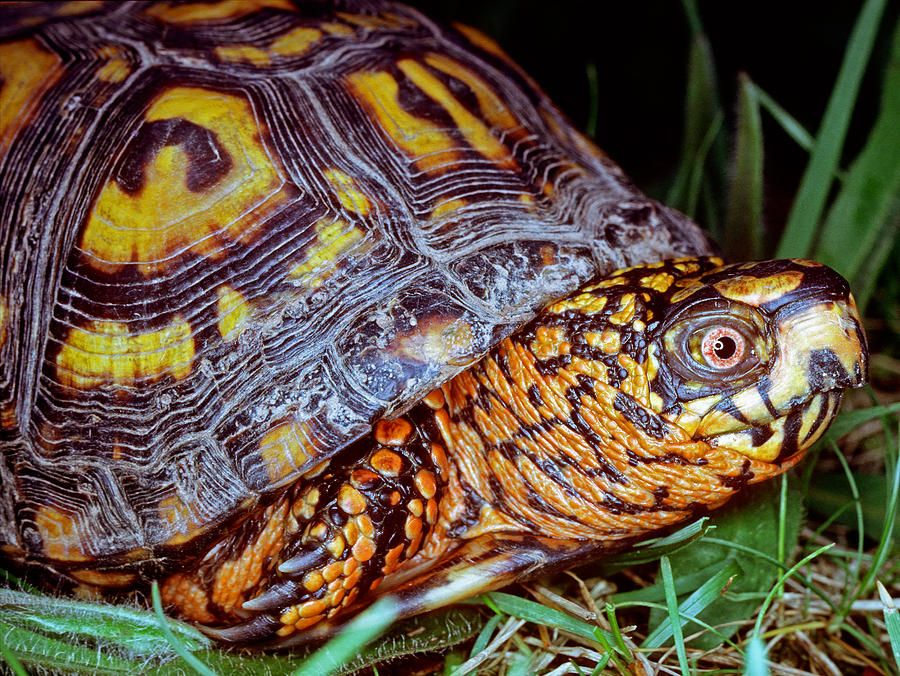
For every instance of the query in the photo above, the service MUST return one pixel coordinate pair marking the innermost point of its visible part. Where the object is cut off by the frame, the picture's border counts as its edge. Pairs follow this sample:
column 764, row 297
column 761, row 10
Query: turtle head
column 754, row 357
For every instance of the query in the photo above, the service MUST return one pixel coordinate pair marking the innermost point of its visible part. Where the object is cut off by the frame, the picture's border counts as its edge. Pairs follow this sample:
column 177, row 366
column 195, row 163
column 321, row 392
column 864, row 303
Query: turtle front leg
column 331, row 539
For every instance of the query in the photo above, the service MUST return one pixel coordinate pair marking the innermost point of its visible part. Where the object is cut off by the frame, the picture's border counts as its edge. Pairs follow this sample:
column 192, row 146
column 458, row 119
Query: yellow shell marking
column 292, row 43
column 758, row 291
column 482, row 41
column 285, row 449
column 492, row 107
column 108, row 352
column 27, row 70
column 386, row 20
column 165, row 218
column 243, row 53
column 116, row 68
column 4, row 313
column 447, row 207
column 59, row 534
column 348, row 193
column 436, row 340
column 472, row 128
column 203, row 11
column 336, row 28
column 75, row 7
column 333, row 240
column 183, row 523
column 432, row 148
column 295, row 42
column 233, row 312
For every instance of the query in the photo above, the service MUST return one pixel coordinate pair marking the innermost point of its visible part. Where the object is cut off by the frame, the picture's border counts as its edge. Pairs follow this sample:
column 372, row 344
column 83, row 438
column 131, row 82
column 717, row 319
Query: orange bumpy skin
column 642, row 399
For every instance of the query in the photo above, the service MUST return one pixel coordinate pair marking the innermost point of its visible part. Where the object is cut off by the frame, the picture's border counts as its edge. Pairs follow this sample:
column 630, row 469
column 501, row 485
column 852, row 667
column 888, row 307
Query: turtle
column 305, row 303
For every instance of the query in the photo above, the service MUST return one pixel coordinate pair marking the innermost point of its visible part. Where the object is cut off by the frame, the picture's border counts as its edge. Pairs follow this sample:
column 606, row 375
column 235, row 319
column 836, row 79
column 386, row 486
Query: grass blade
column 176, row 644
column 866, row 213
column 535, row 612
column 359, row 631
column 755, row 658
column 702, row 110
column 892, row 621
column 809, row 204
column 674, row 620
column 707, row 593
column 743, row 234
column 785, row 120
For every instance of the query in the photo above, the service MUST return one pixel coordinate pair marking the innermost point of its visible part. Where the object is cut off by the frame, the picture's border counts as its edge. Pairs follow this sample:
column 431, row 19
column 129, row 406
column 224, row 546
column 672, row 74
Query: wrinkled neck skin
column 596, row 421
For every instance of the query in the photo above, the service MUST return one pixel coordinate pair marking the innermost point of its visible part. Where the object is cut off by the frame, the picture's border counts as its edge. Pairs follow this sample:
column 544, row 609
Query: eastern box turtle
column 302, row 304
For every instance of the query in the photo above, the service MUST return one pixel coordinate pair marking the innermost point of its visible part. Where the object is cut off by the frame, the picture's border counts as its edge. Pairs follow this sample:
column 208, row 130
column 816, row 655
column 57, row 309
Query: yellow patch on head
column 758, row 291
column 587, row 303
column 742, row 442
column 170, row 12
column 347, row 191
column 233, row 311
column 472, row 128
column 550, row 341
column 685, row 292
column 607, row 283
column 27, row 70
column 333, row 240
column 296, row 42
column 626, row 310
column 59, row 535
column 636, row 383
column 105, row 352
column 286, row 448
column 431, row 147
column 661, row 281
column 165, row 218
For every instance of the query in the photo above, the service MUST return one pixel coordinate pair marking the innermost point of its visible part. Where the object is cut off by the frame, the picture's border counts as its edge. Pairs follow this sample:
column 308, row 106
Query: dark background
column 792, row 50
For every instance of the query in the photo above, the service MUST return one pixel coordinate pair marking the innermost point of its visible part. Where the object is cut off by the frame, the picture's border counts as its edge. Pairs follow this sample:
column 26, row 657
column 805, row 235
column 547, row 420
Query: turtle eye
column 722, row 348
column 715, row 344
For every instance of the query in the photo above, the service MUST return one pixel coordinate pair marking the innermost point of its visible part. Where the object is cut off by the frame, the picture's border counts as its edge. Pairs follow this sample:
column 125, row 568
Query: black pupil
column 725, row 347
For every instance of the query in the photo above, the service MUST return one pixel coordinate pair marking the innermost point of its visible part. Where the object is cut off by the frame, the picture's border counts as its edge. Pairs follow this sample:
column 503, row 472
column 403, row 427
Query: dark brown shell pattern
column 234, row 235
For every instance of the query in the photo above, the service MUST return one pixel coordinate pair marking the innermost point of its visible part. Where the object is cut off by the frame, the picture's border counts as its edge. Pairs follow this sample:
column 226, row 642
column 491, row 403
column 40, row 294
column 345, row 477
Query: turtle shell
column 236, row 234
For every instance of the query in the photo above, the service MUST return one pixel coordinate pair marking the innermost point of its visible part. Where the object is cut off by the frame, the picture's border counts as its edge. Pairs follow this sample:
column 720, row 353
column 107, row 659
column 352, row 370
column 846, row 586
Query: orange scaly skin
column 568, row 432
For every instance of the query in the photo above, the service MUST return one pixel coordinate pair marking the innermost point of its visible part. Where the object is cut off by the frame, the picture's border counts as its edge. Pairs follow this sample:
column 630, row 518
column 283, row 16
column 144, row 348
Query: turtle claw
column 275, row 597
column 260, row 627
column 309, row 560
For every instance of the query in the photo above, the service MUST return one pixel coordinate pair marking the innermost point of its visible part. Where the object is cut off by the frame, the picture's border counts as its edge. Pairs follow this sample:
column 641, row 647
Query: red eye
column 722, row 347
